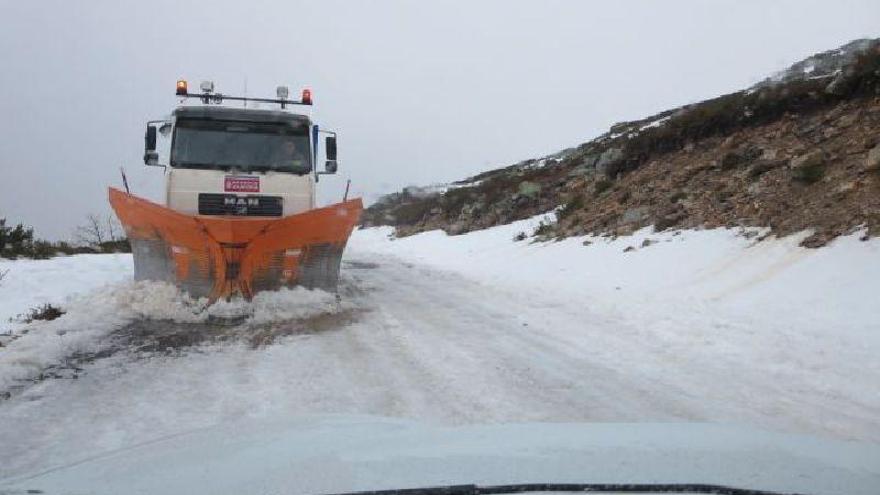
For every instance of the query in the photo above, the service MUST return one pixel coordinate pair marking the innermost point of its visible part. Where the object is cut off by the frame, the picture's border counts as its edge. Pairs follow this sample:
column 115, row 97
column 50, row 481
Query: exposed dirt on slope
column 800, row 154
column 818, row 172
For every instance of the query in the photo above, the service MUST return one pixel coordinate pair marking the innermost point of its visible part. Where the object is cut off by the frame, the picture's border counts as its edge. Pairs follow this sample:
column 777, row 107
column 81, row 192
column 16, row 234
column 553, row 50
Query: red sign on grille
column 241, row 184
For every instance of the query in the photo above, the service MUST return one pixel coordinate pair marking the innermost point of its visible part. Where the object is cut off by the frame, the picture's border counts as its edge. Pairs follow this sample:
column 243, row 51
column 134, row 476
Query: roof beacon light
column 307, row 96
column 207, row 86
column 181, row 87
column 282, row 92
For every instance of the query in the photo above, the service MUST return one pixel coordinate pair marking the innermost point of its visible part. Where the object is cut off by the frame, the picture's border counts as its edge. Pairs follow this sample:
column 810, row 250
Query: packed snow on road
column 706, row 326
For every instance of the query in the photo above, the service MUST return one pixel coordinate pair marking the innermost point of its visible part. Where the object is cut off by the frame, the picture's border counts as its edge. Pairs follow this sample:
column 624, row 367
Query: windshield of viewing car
column 250, row 146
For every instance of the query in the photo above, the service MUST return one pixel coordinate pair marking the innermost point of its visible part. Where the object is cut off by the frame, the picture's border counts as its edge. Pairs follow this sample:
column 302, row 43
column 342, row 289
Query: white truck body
column 183, row 184
column 183, row 187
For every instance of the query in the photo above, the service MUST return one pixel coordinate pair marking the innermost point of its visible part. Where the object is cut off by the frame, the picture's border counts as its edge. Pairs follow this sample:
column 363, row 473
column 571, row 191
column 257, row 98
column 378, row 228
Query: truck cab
column 228, row 160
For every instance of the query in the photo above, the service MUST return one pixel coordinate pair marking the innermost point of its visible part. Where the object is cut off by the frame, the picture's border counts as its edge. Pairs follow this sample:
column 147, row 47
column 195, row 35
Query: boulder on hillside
column 809, row 167
column 529, row 189
column 606, row 161
column 872, row 161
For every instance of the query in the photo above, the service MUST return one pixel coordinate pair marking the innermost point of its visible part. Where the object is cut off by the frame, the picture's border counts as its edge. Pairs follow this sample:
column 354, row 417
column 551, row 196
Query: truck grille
column 230, row 204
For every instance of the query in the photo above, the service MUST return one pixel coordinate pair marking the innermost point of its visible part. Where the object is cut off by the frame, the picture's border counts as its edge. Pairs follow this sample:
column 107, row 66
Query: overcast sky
column 419, row 91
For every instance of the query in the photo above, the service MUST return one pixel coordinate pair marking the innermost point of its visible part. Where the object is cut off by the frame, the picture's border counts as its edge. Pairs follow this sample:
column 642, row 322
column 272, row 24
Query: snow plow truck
column 239, row 214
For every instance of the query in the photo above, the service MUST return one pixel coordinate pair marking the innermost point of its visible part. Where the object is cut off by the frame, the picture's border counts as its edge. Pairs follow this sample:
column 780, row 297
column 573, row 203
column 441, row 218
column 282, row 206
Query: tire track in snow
column 479, row 347
column 472, row 338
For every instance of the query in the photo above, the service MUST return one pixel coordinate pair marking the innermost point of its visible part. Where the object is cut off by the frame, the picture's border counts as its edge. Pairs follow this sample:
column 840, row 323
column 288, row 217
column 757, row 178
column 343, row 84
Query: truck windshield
column 249, row 146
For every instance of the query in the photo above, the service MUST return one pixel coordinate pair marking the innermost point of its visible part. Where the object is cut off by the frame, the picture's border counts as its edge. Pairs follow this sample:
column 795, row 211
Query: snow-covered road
column 436, row 344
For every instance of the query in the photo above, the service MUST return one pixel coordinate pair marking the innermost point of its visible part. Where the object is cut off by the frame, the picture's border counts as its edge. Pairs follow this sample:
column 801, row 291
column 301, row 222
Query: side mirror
column 150, row 139
column 151, row 157
column 330, row 145
column 330, row 167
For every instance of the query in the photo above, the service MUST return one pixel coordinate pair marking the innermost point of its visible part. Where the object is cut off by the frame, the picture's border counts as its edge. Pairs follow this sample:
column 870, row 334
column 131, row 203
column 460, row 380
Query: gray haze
column 420, row 91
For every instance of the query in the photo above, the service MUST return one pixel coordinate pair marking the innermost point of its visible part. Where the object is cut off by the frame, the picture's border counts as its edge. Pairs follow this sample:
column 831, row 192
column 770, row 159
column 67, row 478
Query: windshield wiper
column 574, row 487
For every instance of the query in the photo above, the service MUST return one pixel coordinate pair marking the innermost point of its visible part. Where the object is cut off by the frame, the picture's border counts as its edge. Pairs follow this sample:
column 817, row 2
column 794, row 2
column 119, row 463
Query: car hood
column 333, row 454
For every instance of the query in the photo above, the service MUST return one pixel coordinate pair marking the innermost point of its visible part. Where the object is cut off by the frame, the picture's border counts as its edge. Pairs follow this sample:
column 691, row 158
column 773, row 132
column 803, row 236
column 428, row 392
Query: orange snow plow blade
column 219, row 256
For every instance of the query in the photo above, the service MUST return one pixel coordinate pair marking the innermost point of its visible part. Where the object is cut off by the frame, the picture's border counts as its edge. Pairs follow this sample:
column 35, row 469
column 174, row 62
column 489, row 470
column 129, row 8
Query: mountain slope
column 799, row 151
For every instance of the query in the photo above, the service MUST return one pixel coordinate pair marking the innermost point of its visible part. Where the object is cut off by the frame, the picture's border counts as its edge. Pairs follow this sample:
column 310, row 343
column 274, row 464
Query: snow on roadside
column 702, row 303
column 721, row 267
column 30, row 283
column 89, row 317
column 98, row 295
column 702, row 295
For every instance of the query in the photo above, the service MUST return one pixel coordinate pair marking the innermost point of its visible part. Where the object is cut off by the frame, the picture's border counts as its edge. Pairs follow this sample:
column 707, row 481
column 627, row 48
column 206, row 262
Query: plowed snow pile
column 108, row 301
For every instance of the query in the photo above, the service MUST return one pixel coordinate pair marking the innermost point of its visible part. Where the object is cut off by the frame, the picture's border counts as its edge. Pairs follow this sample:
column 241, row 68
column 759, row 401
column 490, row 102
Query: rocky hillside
column 800, row 150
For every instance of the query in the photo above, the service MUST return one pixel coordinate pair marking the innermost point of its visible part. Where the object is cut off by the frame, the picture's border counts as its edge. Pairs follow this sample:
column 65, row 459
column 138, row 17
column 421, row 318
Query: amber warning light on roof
column 208, row 95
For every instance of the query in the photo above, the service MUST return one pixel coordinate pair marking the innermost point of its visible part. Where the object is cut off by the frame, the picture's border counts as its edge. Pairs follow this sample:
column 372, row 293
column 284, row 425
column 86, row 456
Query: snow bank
column 99, row 297
column 30, row 283
column 835, row 285
column 89, row 317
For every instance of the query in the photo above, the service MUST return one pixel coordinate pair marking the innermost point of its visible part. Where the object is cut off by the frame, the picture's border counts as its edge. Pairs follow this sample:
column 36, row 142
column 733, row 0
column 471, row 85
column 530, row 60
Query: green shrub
column 15, row 241
column 117, row 246
column 574, row 204
column 677, row 196
column 809, row 174
column 762, row 167
column 42, row 250
column 19, row 242
column 411, row 213
column 601, row 186
column 543, row 229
